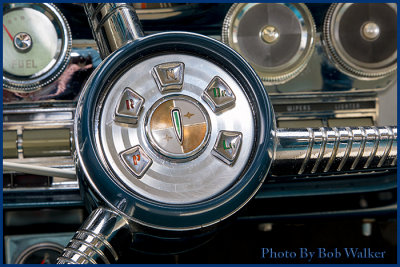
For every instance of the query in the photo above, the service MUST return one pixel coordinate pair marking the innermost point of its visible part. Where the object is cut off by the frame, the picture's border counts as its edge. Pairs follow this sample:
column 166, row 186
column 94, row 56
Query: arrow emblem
column 177, row 122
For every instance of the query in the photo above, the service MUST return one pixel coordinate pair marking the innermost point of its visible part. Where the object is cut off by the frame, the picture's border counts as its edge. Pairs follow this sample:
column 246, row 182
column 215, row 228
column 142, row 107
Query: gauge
column 36, row 46
column 41, row 253
column 361, row 39
column 277, row 39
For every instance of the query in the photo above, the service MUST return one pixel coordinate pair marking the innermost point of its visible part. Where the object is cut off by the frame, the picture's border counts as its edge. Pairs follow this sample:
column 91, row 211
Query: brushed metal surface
column 167, row 181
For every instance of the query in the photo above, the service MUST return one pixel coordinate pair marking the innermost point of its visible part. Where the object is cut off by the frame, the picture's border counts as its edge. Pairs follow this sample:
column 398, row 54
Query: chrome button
column 218, row 95
column 136, row 160
column 269, row 34
column 370, row 31
column 169, row 76
column 129, row 107
column 22, row 41
column 227, row 146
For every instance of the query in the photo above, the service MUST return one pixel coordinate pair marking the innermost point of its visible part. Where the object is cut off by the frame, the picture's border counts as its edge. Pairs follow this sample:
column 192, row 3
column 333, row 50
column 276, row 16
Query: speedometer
column 36, row 46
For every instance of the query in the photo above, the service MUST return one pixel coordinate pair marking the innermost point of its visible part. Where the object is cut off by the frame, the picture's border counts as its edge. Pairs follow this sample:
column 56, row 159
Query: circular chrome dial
column 277, row 39
column 361, row 38
column 36, row 45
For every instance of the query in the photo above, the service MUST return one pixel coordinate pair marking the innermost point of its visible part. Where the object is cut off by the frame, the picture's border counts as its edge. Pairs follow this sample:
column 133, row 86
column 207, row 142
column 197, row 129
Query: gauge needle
column 9, row 34
column 46, row 255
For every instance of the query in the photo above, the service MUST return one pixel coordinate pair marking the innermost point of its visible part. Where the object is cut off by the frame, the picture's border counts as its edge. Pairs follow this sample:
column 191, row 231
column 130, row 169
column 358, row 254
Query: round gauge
column 42, row 253
column 277, row 39
column 361, row 38
column 36, row 46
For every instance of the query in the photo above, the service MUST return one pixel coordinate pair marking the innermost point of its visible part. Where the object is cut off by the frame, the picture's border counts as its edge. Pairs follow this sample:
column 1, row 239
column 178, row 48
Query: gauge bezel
column 292, row 68
column 34, row 82
column 345, row 62
column 37, row 247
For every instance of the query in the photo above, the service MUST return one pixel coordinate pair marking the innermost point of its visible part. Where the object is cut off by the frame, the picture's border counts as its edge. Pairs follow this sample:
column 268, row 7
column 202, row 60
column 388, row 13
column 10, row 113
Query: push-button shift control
column 218, row 95
column 136, row 160
column 129, row 107
column 227, row 146
column 169, row 76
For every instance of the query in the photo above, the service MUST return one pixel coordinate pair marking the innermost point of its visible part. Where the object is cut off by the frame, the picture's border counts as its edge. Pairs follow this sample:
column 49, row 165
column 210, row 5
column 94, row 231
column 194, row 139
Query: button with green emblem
column 227, row 146
column 178, row 127
column 218, row 95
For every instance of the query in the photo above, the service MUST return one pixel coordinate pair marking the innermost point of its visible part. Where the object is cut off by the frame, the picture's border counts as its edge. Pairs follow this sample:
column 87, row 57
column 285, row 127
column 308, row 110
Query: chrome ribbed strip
column 328, row 150
column 388, row 147
column 85, row 259
column 375, row 148
column 89, row 249
column 97, row 241
column 394, row 161
column 348, row 148
column 361, row 149
column 334, row 151
column 321, row 149
column 64, row 260
column 309, row 149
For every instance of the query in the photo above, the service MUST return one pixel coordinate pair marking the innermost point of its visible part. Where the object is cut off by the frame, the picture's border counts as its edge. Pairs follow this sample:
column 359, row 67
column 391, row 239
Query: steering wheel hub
column 178, row 127
column 174, row 131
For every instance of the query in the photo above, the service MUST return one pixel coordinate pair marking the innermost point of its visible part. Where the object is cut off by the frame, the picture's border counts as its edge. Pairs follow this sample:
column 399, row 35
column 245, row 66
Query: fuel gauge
column 36, row 45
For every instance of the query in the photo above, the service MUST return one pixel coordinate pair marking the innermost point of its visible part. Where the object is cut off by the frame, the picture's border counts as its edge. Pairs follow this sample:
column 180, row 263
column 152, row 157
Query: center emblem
column 177, row 121
column 178, row 127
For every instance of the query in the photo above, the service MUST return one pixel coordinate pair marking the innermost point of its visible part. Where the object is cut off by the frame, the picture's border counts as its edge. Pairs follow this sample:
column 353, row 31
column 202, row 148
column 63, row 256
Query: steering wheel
column 174, row 134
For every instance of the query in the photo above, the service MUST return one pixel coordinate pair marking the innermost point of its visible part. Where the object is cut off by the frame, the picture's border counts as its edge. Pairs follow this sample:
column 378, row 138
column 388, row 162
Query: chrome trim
column 159, row 183
column 309, row 148
column 50, row 73
column 113, row 25
column 316, row 80
column 292, row 68
column 38, row 170
column 330, row 150
column 99, row 239
column 388, row 147
column 341, row 58
column 173, row 157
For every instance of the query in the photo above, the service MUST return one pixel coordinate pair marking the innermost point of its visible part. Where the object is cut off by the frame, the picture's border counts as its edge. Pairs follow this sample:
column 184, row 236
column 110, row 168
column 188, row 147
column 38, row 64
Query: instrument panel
column 302, row 64
column 299, row 50
column 281, row 41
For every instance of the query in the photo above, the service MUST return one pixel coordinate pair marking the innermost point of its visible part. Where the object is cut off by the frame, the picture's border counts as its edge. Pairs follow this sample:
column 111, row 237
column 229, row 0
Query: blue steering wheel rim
column 99, row 184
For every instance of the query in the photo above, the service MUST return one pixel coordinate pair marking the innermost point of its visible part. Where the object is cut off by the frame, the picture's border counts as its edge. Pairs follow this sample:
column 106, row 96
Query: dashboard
column 306, row 92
